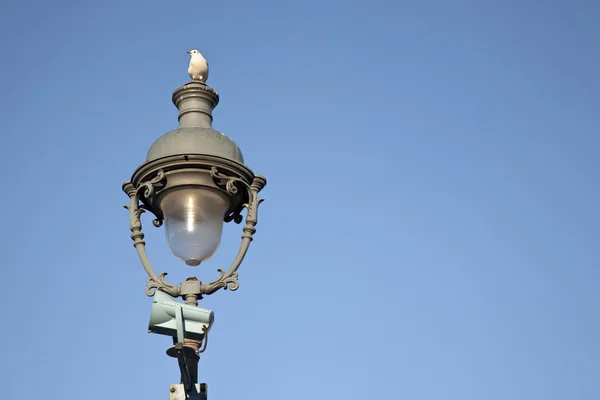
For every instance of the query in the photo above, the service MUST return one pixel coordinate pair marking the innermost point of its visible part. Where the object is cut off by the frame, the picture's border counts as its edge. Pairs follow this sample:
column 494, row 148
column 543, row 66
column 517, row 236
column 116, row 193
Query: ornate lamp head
column 194, row 179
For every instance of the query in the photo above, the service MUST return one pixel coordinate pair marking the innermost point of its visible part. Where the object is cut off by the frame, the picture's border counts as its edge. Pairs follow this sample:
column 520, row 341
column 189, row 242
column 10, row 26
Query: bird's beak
column 188, row 52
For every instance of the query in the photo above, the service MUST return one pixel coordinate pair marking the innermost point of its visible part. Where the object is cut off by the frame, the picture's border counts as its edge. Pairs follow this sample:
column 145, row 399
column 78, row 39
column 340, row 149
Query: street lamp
column 193, row 180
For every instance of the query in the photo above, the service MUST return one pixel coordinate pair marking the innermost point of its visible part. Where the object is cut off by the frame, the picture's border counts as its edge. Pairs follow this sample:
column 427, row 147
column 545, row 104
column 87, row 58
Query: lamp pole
column 193, row 180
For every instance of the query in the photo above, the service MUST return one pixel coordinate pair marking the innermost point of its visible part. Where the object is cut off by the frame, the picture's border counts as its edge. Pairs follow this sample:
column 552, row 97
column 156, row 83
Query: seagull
column 198, row 68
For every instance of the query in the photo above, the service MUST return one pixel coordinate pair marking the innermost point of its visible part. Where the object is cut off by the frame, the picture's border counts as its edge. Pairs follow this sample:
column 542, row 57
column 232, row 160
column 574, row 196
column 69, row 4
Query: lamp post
column 193, row 180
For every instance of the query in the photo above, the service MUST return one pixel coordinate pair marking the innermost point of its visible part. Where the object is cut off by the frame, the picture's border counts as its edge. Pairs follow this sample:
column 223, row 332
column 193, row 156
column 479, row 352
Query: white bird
column 198, row 68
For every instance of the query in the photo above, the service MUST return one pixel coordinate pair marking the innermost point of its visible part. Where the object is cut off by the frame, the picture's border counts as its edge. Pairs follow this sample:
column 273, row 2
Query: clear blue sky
column 431, row 222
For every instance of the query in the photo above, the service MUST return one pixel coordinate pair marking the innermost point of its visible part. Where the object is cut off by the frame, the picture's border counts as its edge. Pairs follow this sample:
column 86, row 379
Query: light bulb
column 194, row 222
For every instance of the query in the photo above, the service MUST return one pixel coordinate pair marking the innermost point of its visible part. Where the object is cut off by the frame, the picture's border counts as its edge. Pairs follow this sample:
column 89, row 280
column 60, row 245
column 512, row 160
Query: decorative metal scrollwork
column 229, row 184
column 152, row 284
column 227, row 279
column 135, row 225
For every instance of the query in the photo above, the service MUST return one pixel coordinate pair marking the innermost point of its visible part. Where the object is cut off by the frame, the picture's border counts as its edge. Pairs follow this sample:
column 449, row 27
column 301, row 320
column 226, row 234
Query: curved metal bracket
column 136, row 209
column 229, row 279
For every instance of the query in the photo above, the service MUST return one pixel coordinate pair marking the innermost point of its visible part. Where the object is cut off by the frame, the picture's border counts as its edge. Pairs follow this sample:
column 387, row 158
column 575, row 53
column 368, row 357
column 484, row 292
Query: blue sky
column 431, row 222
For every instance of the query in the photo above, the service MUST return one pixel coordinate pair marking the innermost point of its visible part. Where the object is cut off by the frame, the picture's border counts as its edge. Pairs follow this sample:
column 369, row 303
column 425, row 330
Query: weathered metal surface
column 194, row 155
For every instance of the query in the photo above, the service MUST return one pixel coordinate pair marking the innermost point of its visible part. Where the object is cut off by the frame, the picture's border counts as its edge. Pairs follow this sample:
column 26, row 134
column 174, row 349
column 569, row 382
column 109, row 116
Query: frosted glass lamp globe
column 194, row 222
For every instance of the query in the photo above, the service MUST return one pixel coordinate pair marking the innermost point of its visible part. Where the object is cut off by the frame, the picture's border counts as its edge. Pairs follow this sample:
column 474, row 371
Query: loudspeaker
column 171, row 318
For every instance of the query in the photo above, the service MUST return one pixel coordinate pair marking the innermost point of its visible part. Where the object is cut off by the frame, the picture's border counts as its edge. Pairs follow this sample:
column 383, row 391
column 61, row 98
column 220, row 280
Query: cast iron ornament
column 193, row 155
column 232, row 185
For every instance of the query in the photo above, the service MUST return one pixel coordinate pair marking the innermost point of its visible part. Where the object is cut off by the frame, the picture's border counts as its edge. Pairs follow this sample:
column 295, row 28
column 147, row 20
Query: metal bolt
column 172, row 389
